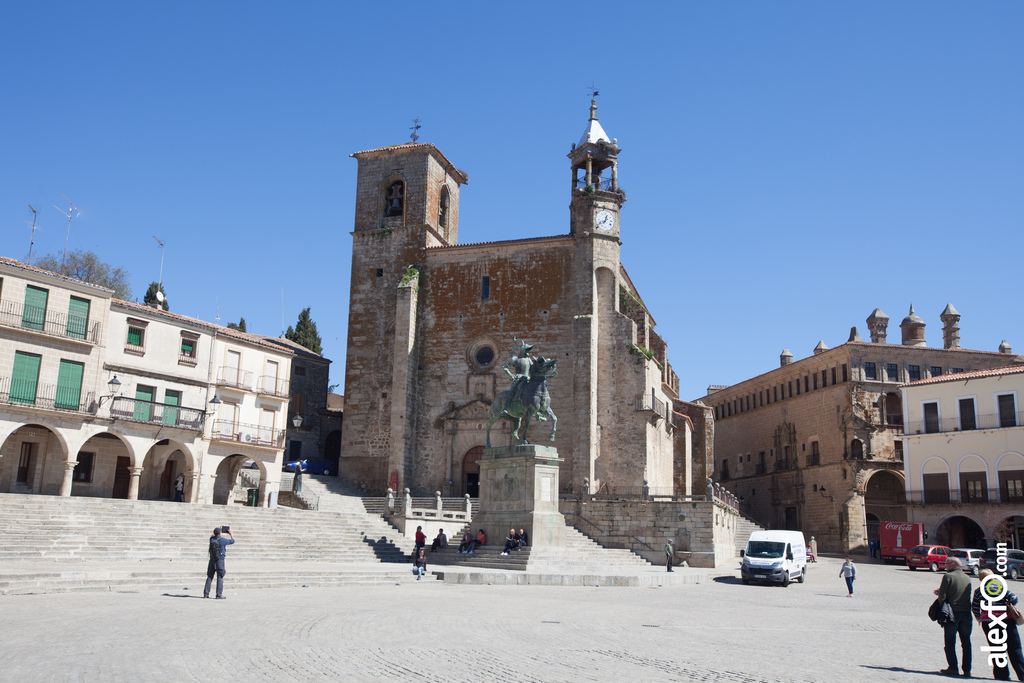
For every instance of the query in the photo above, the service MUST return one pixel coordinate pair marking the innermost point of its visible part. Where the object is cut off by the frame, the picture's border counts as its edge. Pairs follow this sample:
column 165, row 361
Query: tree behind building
column 87, row 267
column 150, row 298
column 305, row 333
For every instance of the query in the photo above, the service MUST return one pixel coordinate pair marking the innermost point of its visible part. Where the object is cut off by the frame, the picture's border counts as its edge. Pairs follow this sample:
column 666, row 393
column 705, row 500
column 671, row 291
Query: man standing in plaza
column 956, row 590
column 670, row 554
column 218, row 554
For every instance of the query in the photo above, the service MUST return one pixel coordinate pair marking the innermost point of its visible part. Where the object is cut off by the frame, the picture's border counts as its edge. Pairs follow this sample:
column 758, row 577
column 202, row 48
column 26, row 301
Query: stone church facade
column 432, row 322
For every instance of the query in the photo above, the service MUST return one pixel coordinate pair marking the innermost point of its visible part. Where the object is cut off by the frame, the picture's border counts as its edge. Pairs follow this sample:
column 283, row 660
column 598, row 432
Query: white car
column 970, row 558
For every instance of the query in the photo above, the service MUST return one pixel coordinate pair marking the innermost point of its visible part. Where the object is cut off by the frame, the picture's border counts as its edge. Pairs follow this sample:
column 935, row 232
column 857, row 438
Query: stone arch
column 959, row 531
column 885, row 496
column 973, row 479
column 444, row 210
column 163, row 462
column 1008, row 529
column 471, row 471
column 606, row 290
column 107, row 471
column 392, row 196
column 230, row 480
column 32, row 458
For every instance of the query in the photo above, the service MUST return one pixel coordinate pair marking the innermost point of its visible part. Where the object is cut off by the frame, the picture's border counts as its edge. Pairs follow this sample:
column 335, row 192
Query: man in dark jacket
column 218, row 554
column 956, row 590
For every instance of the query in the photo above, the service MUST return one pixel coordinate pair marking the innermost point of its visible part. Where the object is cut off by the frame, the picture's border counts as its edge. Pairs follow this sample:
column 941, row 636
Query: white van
column 775, row 556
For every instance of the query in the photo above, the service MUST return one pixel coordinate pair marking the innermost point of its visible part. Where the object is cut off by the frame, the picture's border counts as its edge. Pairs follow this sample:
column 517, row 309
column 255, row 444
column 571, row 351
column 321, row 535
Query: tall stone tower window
column 485, row 287
column 394, row 199
column 442, row 211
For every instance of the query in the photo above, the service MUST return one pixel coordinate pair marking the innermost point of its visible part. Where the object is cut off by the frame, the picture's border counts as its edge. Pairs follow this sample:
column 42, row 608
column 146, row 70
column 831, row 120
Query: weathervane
column 415, row 127
column 593, row 90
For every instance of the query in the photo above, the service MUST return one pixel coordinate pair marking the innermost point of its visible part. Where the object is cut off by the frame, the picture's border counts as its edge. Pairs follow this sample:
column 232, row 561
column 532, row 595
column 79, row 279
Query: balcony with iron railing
column 137, row 410
column 976, row 496
column 46, row 396
column 35, row 319
column 969, row 423
column 250, row 434
column 272, row 385
column 644, row 403
column 598, row 183
column 233, row 378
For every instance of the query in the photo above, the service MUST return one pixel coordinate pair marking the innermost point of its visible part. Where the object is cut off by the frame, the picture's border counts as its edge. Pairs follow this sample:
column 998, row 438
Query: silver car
column 970, row 558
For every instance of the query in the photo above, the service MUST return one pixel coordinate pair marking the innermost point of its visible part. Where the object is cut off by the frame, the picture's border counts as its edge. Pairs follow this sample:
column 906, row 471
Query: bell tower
column 596, row 196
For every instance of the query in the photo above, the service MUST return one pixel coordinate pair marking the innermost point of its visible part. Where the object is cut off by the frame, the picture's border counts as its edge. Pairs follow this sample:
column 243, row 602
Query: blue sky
column 790, row 165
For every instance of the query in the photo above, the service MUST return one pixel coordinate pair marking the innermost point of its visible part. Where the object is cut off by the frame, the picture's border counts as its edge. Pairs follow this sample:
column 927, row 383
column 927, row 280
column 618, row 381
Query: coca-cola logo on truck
column 896, row 526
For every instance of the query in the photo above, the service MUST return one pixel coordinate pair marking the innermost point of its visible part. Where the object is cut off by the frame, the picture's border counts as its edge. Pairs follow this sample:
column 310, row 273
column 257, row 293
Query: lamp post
column 297, row 420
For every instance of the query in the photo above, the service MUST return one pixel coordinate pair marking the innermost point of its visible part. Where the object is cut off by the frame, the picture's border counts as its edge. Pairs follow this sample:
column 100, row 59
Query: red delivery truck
column 896, row 538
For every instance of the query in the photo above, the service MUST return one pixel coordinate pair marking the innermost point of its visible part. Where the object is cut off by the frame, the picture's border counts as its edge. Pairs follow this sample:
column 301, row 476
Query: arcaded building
column 816, row 444
column 432, row 322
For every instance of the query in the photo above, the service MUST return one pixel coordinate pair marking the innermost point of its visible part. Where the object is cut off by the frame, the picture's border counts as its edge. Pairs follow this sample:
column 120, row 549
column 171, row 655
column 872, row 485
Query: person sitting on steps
column 481, row 539
column 510, row 542
column 522, row 539
column 440, row 541
column 466, row 541
column 420, row 565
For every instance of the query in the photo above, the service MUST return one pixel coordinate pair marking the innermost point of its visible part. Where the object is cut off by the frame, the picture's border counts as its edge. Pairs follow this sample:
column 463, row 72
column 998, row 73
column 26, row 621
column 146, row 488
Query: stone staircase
column 581, row 555
column 154, row 542
column 745, row 527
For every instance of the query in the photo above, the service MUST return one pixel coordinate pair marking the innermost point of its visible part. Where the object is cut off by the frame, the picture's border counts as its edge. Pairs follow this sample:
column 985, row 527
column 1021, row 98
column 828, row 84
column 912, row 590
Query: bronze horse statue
column 533, row 401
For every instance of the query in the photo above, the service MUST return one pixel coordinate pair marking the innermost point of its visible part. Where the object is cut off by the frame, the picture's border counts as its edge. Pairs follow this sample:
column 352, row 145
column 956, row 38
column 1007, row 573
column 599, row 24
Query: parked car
column 1014, row 562
column 932, row 557
column 970, row 557
column 312, row 466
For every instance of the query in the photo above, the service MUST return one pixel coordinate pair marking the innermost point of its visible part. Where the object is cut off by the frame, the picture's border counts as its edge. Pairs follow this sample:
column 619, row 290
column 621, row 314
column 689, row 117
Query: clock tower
column 596, row 196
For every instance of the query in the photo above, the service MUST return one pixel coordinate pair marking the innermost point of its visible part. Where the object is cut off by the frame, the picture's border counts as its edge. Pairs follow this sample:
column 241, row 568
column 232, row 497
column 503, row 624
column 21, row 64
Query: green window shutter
column 143, row 411
column 188, row 348
column 78, row 318
column 25, row 377
column 69, row 385
column 134, row 336
column 171, row 398
column 34, row 314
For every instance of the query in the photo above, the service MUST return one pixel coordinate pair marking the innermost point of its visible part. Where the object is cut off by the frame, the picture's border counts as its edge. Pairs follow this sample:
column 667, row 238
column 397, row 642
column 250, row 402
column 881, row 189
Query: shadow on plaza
column 901, row 670
column 172, row 595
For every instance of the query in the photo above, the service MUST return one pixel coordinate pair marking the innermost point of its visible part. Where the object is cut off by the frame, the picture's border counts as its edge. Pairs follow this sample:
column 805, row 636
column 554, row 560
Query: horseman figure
column 528, row 397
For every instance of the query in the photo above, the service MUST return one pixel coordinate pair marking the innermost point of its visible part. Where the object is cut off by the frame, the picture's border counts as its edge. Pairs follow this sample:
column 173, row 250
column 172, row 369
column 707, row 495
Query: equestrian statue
column 528, row 397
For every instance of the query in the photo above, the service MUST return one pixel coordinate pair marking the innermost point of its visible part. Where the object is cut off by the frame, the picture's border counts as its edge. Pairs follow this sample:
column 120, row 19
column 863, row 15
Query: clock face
column 605, row 220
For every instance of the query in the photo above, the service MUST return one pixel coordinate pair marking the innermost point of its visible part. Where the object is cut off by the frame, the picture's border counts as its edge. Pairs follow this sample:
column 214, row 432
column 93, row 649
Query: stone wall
column 704, row 532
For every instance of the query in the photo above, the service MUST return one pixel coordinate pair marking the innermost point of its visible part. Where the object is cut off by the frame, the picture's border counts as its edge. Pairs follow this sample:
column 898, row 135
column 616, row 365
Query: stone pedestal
column 519, row 489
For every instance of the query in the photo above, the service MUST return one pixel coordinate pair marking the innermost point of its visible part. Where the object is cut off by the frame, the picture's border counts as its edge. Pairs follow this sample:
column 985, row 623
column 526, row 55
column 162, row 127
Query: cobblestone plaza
column 431, row 631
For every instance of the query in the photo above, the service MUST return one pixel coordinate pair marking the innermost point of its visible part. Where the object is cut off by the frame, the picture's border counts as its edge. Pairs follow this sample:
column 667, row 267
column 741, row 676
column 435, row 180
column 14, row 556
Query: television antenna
column 72, row 212
column 160, row 282
column 32, row 238
column 415, row 128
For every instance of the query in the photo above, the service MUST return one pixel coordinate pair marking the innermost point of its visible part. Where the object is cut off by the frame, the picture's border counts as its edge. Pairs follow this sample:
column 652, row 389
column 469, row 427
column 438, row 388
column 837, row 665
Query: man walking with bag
column 218, row 554
column 956, row 590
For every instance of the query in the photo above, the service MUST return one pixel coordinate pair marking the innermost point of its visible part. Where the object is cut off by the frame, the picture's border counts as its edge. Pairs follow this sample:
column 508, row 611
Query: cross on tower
column 414, row 128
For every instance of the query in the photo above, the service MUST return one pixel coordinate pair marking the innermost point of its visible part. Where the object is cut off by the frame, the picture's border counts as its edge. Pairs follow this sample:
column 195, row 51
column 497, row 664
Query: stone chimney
column 854, row 335
column 912, row 328
column 1005, row 347
column 950, row 327
column 877, row 324
column 820, row 348
column 785, row 358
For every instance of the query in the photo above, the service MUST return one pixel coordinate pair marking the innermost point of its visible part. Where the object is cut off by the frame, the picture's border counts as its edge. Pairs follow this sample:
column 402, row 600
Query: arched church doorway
column 471, row 471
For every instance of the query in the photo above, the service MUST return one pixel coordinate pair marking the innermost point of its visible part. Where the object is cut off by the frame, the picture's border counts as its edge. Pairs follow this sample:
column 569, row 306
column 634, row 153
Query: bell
column 395, row 205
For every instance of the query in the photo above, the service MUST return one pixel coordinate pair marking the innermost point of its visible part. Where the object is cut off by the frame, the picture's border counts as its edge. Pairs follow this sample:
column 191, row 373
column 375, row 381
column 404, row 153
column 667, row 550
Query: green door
column 34, row 314
column 171, row 398
column 143, row 410
column 25, row 377
column 78, row 318
column 69, row 385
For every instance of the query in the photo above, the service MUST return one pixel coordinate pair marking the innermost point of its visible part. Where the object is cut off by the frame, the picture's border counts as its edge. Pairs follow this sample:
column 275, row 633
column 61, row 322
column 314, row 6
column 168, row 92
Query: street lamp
column 115, row 387
column 297, row 420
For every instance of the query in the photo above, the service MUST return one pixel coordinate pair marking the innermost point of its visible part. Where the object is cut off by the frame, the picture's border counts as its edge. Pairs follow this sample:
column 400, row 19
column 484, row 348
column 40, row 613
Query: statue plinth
column 519, row 489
